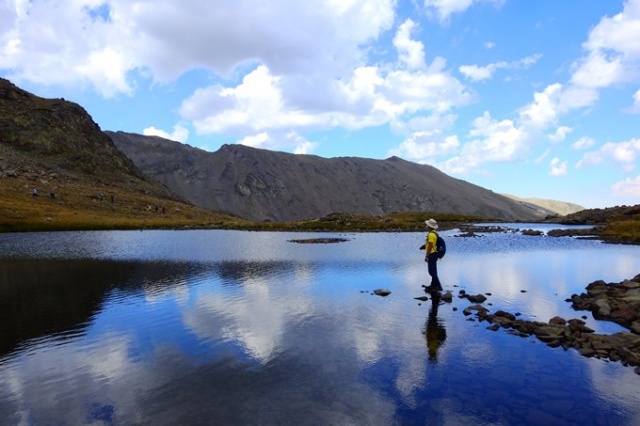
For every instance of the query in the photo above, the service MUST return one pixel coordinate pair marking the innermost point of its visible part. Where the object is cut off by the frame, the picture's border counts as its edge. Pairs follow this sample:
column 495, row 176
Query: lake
column 232, row 327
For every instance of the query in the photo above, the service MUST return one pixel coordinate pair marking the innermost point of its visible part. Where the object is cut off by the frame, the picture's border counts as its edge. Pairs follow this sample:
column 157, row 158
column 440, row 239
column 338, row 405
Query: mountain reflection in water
column 219, row 327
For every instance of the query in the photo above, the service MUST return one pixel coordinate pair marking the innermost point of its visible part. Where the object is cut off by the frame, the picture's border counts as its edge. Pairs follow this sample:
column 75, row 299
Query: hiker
column 34, row 192
column 435, row 332
column 431, row 256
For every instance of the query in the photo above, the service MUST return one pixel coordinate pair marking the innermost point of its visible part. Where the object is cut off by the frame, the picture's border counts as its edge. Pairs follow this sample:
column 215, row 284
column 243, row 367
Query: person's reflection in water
column 435, row 331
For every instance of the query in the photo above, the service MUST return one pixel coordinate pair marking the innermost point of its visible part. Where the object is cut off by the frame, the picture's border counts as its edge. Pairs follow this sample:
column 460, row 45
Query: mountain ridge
column 55, row 146
column 264, row 185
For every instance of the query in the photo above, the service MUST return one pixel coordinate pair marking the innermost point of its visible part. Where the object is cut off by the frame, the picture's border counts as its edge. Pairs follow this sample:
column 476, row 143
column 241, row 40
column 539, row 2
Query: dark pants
column 433, row 270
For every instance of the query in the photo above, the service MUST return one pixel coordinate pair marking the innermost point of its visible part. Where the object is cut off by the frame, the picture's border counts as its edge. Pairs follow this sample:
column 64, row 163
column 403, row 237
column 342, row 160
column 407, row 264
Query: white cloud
column 619, row 33
column 560, row 134
column 490, row 140
column 627, row 188
column 496, row 140
column 613, row 50
column 557, row 167
column 38, row 43
column 255, row 141
column 432, row 122
column 542, row 156
column 611, row 57
column 598, row 70
column 554, row 101
column 179, row 134
column 623, row 154
column 164, row 38
column 426, row 146
column 301, row 145
column 583, row 143
column 635, row 108
column 256, row 104
column 411, row 52
column 478, row 73
column 443, row 9
column 544, row 109
column 368, row 96
column 279, row 141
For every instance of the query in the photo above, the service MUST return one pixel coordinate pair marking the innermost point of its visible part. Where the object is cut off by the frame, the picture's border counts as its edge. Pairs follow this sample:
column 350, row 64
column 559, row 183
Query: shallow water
column 230, row 327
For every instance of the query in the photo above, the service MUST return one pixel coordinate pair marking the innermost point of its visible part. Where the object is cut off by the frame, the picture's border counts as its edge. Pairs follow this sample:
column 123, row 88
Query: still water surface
column 230, row 327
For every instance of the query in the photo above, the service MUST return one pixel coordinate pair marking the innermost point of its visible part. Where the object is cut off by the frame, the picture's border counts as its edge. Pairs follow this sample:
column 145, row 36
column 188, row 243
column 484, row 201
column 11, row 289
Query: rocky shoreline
column 617, row 302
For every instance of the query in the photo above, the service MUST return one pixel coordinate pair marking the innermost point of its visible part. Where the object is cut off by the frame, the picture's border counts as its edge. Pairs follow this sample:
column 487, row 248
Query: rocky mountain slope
column 264, row 185
column 82, row 180
column 561, row 208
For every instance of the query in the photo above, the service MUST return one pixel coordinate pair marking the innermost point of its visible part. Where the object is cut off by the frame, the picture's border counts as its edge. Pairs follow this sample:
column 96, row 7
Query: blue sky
column 530, row 98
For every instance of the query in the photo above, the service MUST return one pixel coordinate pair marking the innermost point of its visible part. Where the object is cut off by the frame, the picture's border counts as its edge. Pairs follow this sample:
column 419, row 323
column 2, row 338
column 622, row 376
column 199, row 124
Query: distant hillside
column 561, row 208
column 600, row 216
column 263, row 185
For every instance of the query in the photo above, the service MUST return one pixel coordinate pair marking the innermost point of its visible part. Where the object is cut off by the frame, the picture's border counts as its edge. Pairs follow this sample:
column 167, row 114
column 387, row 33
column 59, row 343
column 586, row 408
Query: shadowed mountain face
column 57, row 141
column 261, row 185
column 61, row 133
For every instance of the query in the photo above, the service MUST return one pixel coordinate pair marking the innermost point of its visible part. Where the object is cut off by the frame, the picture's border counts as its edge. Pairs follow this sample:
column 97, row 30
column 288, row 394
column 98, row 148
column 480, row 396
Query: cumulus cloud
column 623, row 154
column 560, row 134
column 366, row 96
column 583, row 143
column 611, row 56
column 411, row 52
column 179, row 134
column 280, row 141
column 598, row 70
column 613, row 50
column 427, row 146
column 102, row 48
column 42, row 45
column 496, row 140
column 443, row 9
column 557, row 167
column 629, row 187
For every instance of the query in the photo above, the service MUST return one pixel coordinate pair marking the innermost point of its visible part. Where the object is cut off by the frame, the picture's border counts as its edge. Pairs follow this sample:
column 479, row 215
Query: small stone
column 478, row 298
column 557, row 321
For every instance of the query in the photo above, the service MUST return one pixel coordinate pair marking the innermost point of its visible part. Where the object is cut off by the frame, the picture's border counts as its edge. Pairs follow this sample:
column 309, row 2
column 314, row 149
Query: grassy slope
column 77, row 205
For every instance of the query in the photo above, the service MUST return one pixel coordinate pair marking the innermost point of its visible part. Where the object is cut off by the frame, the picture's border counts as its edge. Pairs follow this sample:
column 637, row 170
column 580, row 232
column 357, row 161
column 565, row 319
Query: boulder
column 606, row 301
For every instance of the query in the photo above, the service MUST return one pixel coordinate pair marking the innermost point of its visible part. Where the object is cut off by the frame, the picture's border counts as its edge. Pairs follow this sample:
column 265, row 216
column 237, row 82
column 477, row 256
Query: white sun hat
column 431, row 223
